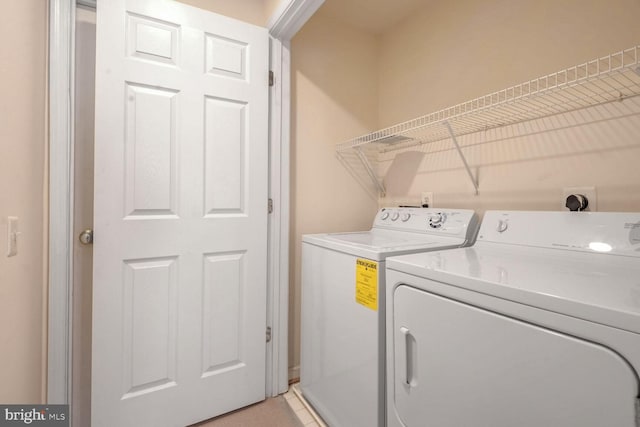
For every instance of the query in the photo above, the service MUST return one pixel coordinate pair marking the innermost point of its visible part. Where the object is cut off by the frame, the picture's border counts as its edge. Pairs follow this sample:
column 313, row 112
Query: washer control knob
column 503, row 224
column 395, row 216
column 405, row 217
column 384, row 215
column 436, row 220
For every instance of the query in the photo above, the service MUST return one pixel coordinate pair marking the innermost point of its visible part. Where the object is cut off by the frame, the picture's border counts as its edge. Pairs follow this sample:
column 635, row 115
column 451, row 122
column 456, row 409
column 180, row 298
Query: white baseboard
column 294, row 373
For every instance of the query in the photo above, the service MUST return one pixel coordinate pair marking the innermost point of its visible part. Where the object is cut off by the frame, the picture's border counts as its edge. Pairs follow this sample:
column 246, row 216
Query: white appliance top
column 404, row 230
column 586, row 265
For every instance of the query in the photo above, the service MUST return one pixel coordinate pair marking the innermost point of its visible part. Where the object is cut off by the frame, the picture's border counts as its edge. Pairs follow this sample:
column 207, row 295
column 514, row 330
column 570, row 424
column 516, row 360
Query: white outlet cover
column 427, row 198
column 588, row 192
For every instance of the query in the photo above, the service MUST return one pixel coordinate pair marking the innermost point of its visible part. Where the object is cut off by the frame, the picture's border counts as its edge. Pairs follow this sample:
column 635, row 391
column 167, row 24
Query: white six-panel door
column 180, row 214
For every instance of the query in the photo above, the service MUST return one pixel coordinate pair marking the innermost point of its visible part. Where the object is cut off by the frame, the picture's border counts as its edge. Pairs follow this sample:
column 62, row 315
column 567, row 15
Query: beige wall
column 452, row 52
column 334, row 85
column 255, row 12
column 270, row 7
column 23, row 35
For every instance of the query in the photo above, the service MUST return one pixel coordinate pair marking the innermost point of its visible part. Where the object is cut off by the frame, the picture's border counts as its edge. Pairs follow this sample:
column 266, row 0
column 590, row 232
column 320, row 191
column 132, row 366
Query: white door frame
column 288, row 18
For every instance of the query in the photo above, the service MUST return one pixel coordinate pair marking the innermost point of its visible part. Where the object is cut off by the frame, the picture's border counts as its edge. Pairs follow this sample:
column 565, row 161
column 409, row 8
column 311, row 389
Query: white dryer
column 343, row 307
column 537, row 324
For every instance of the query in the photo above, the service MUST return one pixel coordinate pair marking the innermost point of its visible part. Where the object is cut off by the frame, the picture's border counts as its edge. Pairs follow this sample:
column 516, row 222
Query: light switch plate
column 12, row 236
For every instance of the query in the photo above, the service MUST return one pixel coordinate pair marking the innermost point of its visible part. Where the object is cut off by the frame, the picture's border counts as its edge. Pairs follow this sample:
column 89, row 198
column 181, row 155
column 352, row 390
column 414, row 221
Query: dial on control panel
column 436, row 220
column 395, row 216
column 405, row 217
column 502, row 226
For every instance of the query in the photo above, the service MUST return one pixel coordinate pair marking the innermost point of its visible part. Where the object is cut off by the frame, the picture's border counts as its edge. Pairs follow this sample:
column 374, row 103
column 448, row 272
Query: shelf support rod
column 370, row 172
column 474, row 181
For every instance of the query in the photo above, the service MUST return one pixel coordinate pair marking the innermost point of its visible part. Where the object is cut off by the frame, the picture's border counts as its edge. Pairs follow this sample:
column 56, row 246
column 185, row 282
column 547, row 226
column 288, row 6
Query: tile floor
column 287, row 410
column 302, row 409
column 272, row 412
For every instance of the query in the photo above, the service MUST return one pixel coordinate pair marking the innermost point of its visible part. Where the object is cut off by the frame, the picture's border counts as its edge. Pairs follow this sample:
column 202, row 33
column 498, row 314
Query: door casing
column 288, row 18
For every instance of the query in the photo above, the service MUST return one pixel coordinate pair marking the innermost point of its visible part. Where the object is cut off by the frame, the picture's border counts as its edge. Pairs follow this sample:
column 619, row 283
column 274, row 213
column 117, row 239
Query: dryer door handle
column 410, row 358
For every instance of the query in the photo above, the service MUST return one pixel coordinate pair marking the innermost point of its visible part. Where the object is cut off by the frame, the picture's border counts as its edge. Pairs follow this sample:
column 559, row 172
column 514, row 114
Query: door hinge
column 272, row 79
column 270, row 205
column 268, row 333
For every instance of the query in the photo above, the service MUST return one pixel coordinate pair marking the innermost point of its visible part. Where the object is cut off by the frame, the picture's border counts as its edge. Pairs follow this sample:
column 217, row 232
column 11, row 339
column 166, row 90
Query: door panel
column 226, row 57
column 150, row 325
column 180, row 214
column 150, row 156
column 458, row 365
column 222, row 308
column 225, row 140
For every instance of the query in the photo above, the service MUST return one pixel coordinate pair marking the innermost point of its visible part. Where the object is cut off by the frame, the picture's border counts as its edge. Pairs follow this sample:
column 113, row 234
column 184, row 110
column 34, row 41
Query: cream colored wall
column 270, row 7
column 23, row 35
column 255, row 12
column 334, row 96
column 450, row 52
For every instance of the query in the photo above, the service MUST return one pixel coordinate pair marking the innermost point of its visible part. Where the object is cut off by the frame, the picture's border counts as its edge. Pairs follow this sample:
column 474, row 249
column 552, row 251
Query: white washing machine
column 537, row 324
column 343, row 307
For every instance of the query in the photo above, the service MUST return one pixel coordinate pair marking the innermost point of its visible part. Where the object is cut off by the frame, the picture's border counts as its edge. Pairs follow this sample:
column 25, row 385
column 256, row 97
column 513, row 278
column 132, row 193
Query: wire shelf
column 606, row 79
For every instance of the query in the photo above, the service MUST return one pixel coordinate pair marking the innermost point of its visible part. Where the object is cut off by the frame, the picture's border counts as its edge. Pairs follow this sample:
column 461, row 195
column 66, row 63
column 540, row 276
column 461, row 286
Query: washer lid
column 377, row 244
column 600, row 288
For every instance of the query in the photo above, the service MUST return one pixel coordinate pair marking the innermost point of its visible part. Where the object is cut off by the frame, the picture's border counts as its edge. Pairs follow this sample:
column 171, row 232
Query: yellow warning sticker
column 367, row 283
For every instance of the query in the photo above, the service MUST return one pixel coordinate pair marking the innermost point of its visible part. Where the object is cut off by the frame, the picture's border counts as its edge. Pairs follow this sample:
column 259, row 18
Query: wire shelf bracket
column 474, row 180
column 370, row 171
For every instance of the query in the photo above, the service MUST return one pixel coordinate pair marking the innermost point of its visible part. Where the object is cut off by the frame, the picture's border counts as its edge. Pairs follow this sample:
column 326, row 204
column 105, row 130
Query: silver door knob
column 86, row 237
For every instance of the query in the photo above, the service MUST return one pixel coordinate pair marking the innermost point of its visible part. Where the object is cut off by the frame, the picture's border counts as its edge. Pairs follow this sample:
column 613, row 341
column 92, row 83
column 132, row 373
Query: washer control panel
column 427, row 220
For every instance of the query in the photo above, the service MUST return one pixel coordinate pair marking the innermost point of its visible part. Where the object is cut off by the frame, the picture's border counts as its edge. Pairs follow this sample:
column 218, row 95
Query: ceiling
column 374, row 16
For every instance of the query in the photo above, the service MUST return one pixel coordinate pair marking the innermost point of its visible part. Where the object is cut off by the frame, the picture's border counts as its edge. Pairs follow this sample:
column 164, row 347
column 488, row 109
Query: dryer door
column 458, row 365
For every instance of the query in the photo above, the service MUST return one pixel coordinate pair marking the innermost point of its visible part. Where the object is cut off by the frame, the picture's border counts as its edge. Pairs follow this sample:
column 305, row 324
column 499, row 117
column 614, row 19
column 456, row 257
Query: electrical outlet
column 427, row 199
column 588, row 192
